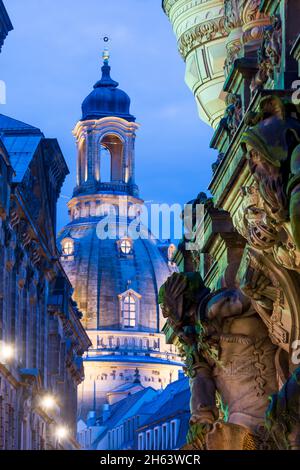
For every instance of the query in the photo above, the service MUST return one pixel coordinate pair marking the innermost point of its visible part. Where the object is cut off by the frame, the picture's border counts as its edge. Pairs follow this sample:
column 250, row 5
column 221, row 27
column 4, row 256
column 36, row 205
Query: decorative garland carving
column 269, row 214
column 201, row 34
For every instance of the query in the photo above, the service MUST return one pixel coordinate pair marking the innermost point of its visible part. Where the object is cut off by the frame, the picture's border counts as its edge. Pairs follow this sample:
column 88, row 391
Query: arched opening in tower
column 111, row 157
column 105, row 164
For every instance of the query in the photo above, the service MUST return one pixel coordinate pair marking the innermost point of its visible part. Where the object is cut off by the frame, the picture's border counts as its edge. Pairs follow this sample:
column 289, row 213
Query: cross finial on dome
column 106, row 54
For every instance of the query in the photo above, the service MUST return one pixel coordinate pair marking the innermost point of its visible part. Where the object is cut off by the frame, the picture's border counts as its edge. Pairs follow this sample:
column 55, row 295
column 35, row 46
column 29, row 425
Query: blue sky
column 52, row 59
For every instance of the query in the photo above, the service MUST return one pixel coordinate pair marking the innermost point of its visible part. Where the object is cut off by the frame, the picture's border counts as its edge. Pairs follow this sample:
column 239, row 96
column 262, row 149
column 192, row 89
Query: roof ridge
column 9, row 124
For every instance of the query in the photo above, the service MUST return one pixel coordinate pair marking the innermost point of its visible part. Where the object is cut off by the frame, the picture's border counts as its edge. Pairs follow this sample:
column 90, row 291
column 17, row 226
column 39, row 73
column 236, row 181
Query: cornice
column 167, row 5
column 201, row 34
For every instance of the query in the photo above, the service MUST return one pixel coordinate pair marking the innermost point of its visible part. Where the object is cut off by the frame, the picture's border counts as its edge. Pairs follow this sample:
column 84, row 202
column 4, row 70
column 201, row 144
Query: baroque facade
column 115, row 273
column 41, row 337
column 234, row 308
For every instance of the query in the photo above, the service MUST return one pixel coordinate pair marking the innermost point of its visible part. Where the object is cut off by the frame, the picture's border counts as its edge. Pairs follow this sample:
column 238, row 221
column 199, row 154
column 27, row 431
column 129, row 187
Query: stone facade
column 238, row 326
column 41, row 338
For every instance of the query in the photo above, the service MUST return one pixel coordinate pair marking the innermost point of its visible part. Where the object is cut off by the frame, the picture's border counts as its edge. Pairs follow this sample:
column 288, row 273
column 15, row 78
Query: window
column 141, row 442
column 148, row 440
column 129, row 312
column 68, row 247
column 156, row 444
column 173, row 435
column 126, row 247
column 164, row 440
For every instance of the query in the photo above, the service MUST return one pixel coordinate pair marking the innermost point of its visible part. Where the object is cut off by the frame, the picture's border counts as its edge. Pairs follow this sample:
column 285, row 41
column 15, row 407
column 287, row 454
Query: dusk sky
column 52, row 59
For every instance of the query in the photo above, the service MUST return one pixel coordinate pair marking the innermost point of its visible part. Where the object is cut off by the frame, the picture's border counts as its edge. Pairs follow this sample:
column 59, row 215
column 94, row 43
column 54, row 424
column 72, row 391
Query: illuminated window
column 173, row 435
column 126, row 247
column 68, row 247
column 156, row 445
column 129, row 311
column 164, row 440
column 141, row 441
column 148, row 440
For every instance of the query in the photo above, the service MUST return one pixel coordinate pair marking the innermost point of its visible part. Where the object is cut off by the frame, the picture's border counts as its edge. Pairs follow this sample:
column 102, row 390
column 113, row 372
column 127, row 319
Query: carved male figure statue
column 234, row 359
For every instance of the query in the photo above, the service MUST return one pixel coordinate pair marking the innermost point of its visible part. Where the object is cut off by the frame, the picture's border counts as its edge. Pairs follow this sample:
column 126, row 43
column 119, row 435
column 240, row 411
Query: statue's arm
column 203, row 396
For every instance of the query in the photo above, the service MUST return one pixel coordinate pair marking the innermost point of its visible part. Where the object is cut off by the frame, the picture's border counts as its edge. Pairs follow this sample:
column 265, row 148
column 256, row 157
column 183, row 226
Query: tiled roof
column 120, row 409
column 174, row 398
column 10, row 125
column 21, row 150
column 127, row 386
column 21, row 141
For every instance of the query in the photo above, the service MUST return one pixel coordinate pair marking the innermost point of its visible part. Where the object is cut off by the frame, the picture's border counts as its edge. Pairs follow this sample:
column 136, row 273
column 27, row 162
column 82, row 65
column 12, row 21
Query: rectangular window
column 156, row 443
column 129, row 312
column 149, row 440
column 141, row 442
column 164, row 439
column 173, row 435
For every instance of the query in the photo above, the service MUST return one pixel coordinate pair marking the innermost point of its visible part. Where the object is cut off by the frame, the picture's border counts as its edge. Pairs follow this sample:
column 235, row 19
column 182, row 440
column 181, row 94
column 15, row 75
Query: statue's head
column 179, row 297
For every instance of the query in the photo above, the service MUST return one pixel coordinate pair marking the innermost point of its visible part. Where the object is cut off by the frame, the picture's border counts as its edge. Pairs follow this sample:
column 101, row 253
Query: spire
column 106, row 80
column 106, row 54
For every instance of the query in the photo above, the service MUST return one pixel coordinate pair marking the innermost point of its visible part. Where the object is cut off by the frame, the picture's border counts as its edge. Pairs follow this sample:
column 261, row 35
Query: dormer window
column 129, row 309
column 126, row 246
column 129, row 312
column 68, row 247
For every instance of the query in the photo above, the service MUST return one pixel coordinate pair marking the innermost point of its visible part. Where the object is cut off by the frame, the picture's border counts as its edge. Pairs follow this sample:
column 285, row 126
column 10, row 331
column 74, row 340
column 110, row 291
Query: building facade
column 113, row 262
column 245, row 272
column 41, row 337
column 166, row 426
column 148, row 419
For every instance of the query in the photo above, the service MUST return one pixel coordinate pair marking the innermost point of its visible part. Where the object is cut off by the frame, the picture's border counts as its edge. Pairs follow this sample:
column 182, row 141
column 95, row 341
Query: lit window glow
column 68, row 247
column 126, row 247
column 129, row 311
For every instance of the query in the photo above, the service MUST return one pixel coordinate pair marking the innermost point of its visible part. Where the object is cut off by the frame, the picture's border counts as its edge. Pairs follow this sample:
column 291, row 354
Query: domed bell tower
column 105, row 139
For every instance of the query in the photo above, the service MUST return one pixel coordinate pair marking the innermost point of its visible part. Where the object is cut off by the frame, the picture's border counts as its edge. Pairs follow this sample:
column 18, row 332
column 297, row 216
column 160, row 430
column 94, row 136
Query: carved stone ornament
column 233, row 114
column 232, row 353
column 274, row 294
column 201, row 34
column 269, row 54
column 268, row 216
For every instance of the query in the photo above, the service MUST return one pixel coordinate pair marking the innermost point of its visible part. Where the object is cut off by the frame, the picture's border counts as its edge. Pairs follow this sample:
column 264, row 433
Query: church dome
column 104, row 272
column 106, row 99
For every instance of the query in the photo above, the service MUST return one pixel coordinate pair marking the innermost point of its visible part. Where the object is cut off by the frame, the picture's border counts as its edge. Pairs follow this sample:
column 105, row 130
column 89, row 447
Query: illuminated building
column 115, row 278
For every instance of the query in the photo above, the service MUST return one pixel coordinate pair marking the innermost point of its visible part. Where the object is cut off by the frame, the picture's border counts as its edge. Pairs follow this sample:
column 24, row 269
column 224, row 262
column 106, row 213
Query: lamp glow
column 48, row 402
column 62, row 432
column 7, row 352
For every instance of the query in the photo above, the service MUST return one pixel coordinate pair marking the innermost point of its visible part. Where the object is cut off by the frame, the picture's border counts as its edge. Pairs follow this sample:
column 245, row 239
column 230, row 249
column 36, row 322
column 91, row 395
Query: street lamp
column 62, row 432
column 7, row 352
column 48, row 402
